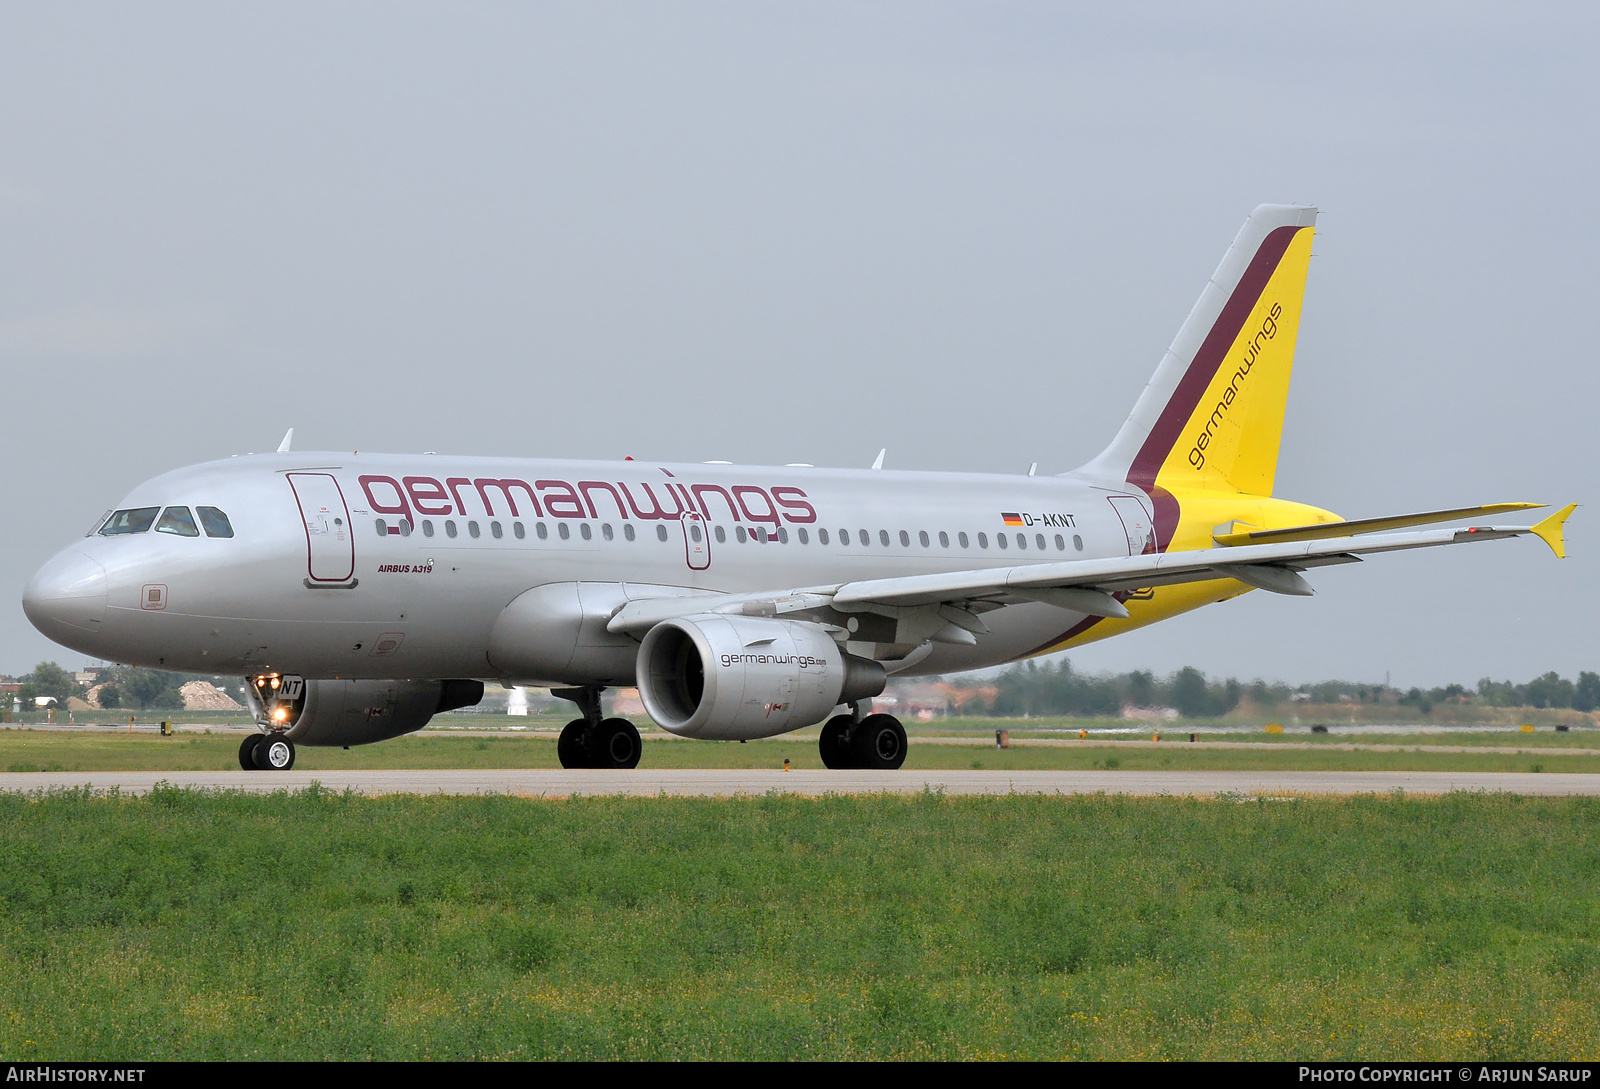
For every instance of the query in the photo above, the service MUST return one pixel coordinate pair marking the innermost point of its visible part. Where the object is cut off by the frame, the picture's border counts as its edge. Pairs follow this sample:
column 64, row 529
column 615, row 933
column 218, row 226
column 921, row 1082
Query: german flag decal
column 1011, row 519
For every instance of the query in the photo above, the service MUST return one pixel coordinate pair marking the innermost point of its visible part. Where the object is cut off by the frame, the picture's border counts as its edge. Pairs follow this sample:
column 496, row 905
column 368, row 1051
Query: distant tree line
column 1058, row 689
column 1033, row 688
column 121, row 687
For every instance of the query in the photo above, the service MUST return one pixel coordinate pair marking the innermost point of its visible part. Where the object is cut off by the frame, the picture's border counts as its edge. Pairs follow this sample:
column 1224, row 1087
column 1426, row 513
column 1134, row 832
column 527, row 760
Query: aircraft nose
column 67, row 596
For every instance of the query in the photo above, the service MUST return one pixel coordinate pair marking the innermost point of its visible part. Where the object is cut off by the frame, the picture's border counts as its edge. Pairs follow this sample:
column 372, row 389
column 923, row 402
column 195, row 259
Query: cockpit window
column 137, row 520
column 177, row 520
column 216, row 523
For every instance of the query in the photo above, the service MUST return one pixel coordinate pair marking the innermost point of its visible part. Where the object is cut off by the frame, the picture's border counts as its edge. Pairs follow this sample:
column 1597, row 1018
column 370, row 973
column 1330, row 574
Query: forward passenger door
column 330, row 545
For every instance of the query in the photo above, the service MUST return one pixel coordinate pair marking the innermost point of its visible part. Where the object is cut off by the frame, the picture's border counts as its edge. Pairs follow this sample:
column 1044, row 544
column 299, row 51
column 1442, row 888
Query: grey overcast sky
column 799, row 232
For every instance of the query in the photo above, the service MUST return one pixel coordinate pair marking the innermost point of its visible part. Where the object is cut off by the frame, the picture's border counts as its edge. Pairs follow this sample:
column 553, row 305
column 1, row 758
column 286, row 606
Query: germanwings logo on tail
column 1252, row 352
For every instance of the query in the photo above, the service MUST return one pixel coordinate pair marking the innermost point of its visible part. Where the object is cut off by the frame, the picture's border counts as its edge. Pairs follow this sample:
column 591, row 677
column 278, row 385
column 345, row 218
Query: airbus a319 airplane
column 361, row 594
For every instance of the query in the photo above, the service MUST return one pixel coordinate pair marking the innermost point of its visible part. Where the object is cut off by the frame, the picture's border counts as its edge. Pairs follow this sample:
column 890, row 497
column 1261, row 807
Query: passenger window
column 138, row 520
column 178, row 521
column 944, row 539
column 922, row 537
column 983, row 540
column 805, row 538
column 1038, row 541
column 999, row 539
column 405, row 526
column 883, row 536
column 450, row 528
column 661, row 532
column 541, row 531
column 495, row 531
column 905, row 539
column 866, row 539
column 214, row 522
column 1061, row 546
column 722, row 537
column 518, row 531
column 783, row 535
column 822, row 536
column 627, row 530
column 961, row 539
column 739, row 534
column 563, row 531
column 583, row 528
column 383, row 527
column 427, row 527
column 1077, row 542
column 694, row 532
column 1022, row 540
column 605, row 531
column 473, row 531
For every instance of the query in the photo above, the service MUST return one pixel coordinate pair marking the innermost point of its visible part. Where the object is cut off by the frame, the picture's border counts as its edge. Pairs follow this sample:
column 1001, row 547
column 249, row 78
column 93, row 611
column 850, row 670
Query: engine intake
column 736, row 677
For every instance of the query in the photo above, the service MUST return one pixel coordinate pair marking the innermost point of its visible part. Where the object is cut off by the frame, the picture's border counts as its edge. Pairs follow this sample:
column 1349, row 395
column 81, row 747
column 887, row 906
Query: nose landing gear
column 278, row 699
column 266, row 752
column 595, row 742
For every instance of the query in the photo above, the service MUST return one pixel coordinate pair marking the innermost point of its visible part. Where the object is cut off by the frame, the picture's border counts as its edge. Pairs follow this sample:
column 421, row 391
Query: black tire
column 274, row 752
column 570, row 749
column 614, row 744
column 834, row 744
column 247, row 751
column 879, row 743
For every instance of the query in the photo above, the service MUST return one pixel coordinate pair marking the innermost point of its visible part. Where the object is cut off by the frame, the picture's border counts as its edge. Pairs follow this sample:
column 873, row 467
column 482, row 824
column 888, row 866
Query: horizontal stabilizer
column 1325, row 530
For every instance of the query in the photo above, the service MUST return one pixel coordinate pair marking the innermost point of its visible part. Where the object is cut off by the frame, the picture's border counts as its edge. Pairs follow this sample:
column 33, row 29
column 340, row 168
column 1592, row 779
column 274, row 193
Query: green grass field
column 193, row 926
column 58, row 750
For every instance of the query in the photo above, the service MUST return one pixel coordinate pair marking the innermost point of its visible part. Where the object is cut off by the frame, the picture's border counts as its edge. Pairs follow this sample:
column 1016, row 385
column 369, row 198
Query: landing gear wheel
column 274, row 752
column 247, row 751
column 879, row 743
column 835, row 743
column 570, row 748
column 614, row 744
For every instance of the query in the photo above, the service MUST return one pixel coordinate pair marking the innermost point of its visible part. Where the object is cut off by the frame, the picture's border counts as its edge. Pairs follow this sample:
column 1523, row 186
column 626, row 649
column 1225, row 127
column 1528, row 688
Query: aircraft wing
column 1084, row 586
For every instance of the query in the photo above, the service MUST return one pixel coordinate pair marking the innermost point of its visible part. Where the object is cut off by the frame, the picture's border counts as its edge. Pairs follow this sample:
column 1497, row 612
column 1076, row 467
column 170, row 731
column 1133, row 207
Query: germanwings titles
column 359, row 595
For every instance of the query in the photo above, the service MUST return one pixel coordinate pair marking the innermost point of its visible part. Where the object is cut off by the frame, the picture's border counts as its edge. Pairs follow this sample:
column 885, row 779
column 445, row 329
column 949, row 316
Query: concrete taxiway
column 712, row 782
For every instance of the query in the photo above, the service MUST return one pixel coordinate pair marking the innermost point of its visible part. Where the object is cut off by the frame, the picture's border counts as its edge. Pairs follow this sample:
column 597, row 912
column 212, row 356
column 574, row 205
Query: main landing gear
column 266, row 752
column 875, row 743
column 592, row 741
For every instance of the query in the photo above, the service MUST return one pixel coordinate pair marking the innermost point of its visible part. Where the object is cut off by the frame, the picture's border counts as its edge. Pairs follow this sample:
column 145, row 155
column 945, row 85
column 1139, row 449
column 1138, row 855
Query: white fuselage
column 387, row 566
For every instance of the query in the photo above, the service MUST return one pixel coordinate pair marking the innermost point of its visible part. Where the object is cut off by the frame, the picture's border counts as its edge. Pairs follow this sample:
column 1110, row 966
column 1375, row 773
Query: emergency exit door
column 330, row 545
column 696, row 542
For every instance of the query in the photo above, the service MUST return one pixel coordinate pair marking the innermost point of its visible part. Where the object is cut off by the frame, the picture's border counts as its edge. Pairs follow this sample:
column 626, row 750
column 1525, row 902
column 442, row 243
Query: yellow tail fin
column 1212, row 417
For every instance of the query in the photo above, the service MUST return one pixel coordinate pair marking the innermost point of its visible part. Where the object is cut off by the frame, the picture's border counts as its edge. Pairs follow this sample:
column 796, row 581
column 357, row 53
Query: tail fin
column 1212, row 416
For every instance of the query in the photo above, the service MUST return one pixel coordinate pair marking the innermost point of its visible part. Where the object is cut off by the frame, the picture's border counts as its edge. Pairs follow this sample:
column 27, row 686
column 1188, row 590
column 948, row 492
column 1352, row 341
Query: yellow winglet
column 1550, row 530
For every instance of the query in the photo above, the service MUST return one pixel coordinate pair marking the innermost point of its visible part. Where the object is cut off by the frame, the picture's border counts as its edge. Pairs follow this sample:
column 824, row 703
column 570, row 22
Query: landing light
column 280, row 714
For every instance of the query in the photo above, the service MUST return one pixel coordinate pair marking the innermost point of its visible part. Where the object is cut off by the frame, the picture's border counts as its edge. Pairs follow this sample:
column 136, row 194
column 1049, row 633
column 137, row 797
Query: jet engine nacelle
column 354, row 712
column 736, row 677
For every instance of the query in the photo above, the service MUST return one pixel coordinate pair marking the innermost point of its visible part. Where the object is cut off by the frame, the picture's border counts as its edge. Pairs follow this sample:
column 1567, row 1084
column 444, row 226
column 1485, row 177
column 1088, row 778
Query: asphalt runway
column 711, row 782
